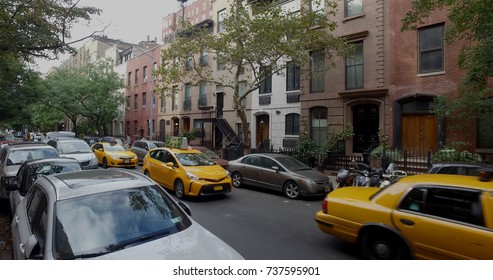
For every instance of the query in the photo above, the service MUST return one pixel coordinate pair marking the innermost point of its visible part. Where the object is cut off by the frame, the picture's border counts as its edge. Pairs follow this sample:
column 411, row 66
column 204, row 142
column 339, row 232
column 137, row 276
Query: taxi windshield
column 194, row 159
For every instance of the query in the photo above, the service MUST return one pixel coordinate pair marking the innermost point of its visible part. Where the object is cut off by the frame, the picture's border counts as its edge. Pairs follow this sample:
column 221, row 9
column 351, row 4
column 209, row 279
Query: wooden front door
column 419, row 133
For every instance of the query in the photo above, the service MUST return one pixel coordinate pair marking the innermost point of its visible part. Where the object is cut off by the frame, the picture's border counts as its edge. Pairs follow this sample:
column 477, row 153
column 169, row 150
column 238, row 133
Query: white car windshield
column 102, row 223
column 78, row 147
column 115, row 147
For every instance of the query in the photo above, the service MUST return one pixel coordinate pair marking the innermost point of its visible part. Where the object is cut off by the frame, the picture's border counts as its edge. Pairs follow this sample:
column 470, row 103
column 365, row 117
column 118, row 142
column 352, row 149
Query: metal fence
column 411, row 162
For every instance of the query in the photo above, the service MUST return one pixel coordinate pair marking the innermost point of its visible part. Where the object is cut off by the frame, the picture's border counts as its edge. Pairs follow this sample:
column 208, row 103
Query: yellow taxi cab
column 112, row 154
column 431, row 216
column 186, row 171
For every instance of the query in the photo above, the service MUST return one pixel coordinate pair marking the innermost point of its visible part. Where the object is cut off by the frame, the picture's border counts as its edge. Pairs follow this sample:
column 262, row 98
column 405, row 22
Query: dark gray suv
column 14, row 154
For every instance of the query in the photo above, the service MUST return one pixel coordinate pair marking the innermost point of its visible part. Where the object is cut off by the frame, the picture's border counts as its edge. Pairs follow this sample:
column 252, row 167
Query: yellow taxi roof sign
column 178, row 142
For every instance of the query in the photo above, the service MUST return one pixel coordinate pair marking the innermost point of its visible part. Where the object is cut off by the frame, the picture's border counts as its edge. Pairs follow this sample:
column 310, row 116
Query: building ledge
column 364, row 93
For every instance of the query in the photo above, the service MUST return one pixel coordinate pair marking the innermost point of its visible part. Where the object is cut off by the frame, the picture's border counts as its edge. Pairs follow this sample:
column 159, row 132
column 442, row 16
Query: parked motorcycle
column 391, row 175
column 360, row 175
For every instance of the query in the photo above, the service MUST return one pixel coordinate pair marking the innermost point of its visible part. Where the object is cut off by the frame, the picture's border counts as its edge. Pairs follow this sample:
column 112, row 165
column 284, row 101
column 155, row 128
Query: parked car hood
column 313, row 174
column 194, row 243
column 80, row 157
column 213, row 172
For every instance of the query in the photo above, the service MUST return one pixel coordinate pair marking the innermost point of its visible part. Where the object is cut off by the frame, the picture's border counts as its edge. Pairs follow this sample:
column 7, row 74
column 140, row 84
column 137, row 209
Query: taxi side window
column 449, row 203
column 169, row 158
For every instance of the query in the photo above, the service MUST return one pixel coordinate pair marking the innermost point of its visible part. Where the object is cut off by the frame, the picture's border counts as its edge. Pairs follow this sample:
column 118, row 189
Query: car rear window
column 17, row 157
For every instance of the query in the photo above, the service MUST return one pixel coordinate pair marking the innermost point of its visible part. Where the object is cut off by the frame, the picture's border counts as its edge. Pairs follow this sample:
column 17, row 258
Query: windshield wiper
column 137, row 240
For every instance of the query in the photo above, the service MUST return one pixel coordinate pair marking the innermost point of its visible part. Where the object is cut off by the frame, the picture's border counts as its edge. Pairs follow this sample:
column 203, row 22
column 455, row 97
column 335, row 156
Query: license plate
column 126, row 160
column 220, row 188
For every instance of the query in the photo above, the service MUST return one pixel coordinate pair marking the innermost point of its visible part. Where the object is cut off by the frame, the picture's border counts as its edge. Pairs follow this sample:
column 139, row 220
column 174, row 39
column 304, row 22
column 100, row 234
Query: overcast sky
column 130, row 21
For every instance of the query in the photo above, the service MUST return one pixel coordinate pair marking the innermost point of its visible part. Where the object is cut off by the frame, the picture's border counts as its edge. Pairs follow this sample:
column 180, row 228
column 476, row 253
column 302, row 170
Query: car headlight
column 228, row 174
column 309, row 182
column 192, row 176
column 94, row 160
column 134, row 157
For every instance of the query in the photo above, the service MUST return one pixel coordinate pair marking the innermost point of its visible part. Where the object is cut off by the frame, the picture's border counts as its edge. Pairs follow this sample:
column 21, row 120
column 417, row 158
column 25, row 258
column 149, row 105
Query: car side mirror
column 185, row 208
column 170, row 164
column 276, row 168
column 10, row 183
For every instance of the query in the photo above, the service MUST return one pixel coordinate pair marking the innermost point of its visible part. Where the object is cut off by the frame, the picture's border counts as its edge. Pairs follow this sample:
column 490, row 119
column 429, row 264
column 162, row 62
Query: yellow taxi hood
column 354, row 193
column 120, row 153
column 212, row 172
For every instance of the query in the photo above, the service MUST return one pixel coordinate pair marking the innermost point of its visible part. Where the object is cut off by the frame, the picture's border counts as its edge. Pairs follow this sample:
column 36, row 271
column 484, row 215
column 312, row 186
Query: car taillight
column 324, row 205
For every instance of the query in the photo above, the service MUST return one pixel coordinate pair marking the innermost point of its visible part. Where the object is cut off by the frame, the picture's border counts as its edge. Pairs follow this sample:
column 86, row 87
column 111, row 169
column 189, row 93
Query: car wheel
column 146, row 172
column 291, row 190
column 179, row 189
column 105, row 163
column 378, row 245
column 237, row 180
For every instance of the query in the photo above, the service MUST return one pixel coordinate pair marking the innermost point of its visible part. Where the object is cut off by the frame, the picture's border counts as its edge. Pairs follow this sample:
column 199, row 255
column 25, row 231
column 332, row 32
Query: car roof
column 86, row 182
column 51, row 160
column 463, row 181
column 179, row 151
column 24, row 145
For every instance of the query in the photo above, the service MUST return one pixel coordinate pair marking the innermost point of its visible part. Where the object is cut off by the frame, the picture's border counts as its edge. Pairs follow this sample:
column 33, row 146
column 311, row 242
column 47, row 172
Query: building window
column 484, row 127
column 136, row 128
column 266, row 76
column 163, row 104
column 189, row 63
column 292, row 77
column 129, row 78
column 144, row 100
column 127, row 102
column 203, row 95
column 220, row 63
column 431, row 49
column 144, row 77
column 317, row 72
column 221, row 15
column 174, row 98
column 187, row 101
column 353, row 7
column 292, row 124
column 136, row 102
column 136, row 76
column 203, row 58
column 241, row 93
column 317, row 6
column 319, row 126
column 354, row 68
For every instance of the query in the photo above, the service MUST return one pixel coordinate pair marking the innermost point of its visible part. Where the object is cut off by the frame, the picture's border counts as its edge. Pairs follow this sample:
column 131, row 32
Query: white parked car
column 75, row 148
column 114, row 214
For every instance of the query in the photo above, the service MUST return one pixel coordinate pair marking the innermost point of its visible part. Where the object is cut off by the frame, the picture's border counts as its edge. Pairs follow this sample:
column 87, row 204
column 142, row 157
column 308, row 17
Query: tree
column 18, row 87
column 89, row 92
column 471, row 24
column 40, row 28
column 251, row 48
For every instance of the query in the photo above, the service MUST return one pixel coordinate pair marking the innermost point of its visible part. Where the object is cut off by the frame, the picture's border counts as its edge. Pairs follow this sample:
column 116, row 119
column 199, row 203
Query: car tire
column 380, row 245
column 237, row 180
column 179, row 189
column 291, row 190
column 105, row 163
